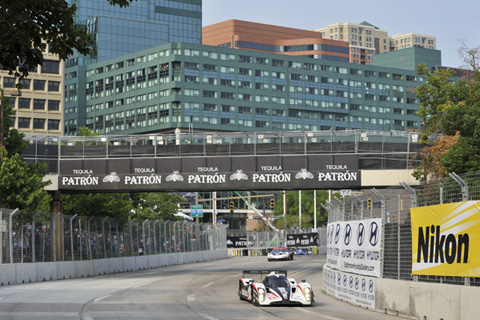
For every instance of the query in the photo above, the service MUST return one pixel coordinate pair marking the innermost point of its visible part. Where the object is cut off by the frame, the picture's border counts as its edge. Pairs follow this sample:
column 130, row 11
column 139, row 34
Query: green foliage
column 292, row 217
column 21, row 184
column 28, row 26
column 113, row 205
column 451, row 109
column 155, row 206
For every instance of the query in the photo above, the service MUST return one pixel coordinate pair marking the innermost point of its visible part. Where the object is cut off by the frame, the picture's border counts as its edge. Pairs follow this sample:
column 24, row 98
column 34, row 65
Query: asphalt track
column 191, row 291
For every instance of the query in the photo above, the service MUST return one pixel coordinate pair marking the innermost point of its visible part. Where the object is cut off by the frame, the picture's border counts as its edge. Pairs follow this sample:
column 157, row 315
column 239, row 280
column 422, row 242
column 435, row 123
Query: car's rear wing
column 262, row 272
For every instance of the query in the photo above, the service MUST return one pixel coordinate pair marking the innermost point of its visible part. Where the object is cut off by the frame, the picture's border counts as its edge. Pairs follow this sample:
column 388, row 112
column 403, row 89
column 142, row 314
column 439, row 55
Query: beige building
column 365, row 40
column 39, row 109
column 403, row 41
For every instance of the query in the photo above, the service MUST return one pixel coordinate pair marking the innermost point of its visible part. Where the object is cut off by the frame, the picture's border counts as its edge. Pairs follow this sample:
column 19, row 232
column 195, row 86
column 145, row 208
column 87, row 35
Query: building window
column 38, row 104
column 53, row 124
column 8, row 82
column 54, row 105
column 53, row 86
column 24, row 122
column 23, row 103
column 51, row 66
column 39, row 85
column 39, row 124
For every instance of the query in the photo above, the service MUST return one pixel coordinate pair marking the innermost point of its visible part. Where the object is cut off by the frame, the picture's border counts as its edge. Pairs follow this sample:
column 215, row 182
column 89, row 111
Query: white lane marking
column 302, row 309
column 206, row 316
column 46, row 288
column 191, row 298
column 208, row 284
column 101, row 298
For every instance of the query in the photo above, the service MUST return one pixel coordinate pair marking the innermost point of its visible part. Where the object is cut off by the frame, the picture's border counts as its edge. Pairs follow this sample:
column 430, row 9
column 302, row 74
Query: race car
column 275, row 289
column 280, row 254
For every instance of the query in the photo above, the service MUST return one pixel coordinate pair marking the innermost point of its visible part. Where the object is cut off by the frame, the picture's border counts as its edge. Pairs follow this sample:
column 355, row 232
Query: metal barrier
column 29, row 237
column 393, row 206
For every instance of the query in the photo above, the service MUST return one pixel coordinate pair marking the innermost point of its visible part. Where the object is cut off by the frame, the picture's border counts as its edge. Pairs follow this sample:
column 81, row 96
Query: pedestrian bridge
column 214, row 161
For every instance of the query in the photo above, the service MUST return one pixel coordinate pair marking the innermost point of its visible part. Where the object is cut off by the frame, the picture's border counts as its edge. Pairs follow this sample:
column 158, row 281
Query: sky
column 449, row 21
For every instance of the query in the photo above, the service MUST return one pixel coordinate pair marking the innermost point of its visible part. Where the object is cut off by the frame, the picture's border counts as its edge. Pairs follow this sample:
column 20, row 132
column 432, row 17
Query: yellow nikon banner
column 446, row 239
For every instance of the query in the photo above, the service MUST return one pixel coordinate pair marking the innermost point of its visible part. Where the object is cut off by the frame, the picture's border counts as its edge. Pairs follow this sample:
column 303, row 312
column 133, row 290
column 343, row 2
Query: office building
column 39, row 109
column 366, row 40
column 276, row 39
column 207, row 88
column 118, row 31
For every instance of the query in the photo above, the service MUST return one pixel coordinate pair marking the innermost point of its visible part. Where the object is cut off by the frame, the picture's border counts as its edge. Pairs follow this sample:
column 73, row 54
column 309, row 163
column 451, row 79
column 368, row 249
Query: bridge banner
column 355, row 246
column 302, row 240
column 286, row 172
column 445, row 239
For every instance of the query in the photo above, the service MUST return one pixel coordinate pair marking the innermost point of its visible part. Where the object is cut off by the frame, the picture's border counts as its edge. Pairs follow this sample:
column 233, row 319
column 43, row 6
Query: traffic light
column 401, row 204
column 231, row 206
column 272, row 204
column 369, row 203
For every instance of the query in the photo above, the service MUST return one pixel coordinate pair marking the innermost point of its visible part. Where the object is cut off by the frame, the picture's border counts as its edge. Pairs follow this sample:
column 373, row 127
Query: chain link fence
column 29, row 237
column 393, row 205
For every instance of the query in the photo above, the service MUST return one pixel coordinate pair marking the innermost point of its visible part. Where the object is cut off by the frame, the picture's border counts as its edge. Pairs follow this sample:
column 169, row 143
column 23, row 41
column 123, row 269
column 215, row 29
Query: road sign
column 196, row 210
column 346, row 192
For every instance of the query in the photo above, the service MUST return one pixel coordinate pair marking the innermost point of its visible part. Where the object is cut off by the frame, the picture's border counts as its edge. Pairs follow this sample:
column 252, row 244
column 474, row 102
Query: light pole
column 12, row 93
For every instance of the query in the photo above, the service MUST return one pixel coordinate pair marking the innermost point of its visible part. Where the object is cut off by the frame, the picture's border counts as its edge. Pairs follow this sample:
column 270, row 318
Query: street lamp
column 10, row 92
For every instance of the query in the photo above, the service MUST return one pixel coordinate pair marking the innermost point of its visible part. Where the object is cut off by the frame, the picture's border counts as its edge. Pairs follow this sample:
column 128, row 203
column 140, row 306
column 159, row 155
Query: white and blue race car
column 274, row 288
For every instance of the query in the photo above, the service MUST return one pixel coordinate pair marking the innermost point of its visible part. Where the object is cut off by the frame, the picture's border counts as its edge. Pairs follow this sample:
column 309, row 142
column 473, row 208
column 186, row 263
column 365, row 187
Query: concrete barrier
column 66, row 270
column 46, row 271
column 425, row 300
column 7, row 274
column 26, row 273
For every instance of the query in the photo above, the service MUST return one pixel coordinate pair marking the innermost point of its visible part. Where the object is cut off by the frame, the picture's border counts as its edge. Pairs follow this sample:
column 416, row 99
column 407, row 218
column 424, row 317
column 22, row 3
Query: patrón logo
column 175, row 176
column 112, row 177
column 304, row 174
column 239, row 175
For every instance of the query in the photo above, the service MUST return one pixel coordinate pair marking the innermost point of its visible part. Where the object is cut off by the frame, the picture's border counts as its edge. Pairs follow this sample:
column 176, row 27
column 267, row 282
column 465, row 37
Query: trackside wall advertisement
column 355, row 246
column 354, row 288
column 446, row 239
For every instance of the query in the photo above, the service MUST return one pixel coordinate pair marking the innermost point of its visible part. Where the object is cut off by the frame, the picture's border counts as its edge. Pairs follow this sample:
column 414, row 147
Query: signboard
column 238, row 242
column 355, row 246
column 289, row 172
column 302, row 240
column 445, row 239
column 196, row 210
column 354, row 288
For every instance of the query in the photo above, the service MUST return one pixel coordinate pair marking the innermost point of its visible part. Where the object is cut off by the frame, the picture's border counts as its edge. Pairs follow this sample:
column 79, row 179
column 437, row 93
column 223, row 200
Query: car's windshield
column 278, row 281
column 279, row 250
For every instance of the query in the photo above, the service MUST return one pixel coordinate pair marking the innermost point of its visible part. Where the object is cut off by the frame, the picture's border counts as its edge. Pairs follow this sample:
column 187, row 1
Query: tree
column 436, row 94
column 29, row 26
column 450, row 111
column 21, row 183
column 153, row 206
column 470, row 56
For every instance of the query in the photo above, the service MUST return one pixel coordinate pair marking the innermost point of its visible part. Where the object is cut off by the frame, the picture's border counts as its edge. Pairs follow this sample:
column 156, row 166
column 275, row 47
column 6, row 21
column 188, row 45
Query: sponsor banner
column 445, row 239
column 355, row 246
column 238, row 242
column 354, row 288
column 302, row 240
column 206, row 174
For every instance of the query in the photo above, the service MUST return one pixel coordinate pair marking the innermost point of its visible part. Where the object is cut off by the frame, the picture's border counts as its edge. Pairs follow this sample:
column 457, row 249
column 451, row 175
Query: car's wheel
column 240, row 292
column 253, row 297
